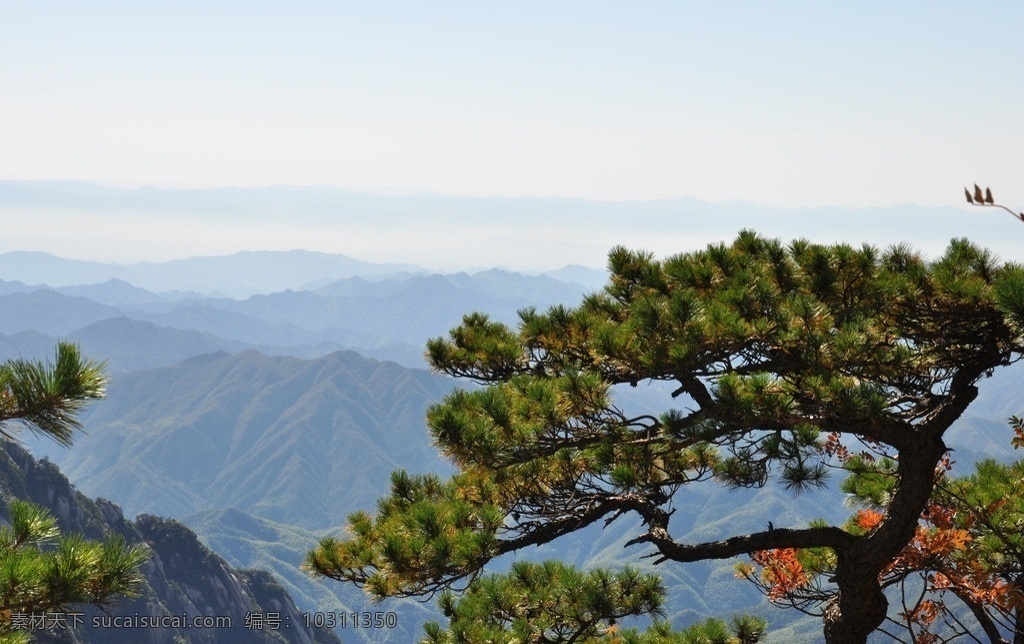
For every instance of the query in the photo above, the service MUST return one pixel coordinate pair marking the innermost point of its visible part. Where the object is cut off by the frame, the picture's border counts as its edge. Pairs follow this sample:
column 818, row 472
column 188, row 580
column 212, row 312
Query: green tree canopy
column 779, row 355
column 546, row 602
column 553, row 602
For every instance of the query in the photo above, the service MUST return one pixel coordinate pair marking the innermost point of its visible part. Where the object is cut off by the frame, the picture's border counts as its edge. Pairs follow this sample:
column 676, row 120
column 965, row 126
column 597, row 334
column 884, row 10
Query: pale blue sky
column 785, row 103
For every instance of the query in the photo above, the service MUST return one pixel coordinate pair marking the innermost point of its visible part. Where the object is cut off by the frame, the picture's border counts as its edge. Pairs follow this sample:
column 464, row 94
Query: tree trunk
column 860, row 606
column 1018, row 618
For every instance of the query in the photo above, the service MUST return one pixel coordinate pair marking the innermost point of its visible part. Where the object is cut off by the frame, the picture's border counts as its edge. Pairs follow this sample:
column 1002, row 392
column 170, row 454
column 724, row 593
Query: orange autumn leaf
column 782, row 571
column 926, row 612
column 940, row 581
column 868, row 519
column 995, row 505
column 943, row 542
column 939, row 516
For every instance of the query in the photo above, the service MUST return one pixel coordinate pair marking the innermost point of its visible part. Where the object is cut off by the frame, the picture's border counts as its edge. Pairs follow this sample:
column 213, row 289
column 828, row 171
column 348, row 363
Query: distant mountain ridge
column 389, row 317
column 237, row 275
column 119, row 293
column 459, row 232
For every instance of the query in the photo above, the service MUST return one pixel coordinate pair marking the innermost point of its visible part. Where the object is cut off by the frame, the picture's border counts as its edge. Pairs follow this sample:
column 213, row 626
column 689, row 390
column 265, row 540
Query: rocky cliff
column 190, row 593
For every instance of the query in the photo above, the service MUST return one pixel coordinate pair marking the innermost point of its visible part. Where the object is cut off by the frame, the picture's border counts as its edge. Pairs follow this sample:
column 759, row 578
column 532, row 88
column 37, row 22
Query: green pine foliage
column 45, row 397
column 992, row 507
column 548, row 601
column 553, row 602
column 42, row 570
column 741, row 629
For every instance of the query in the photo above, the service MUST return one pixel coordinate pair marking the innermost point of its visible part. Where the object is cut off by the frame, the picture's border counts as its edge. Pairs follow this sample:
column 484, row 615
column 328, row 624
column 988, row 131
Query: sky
column 794, row 104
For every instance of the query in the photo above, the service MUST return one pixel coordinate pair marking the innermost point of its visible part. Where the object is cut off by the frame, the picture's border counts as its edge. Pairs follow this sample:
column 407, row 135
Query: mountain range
column 321, row 429
column 387, row 318
column 445, row 233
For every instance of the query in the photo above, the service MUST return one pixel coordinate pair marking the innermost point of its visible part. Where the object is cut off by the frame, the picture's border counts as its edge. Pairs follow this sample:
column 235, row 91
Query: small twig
column 979, row 199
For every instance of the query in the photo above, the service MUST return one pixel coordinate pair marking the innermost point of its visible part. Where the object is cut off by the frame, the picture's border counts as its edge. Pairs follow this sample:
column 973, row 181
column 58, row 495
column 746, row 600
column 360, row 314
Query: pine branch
column 46, row 397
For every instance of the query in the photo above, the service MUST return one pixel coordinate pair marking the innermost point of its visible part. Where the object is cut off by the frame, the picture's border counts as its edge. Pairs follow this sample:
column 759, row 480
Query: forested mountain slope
column 300, row 442
column 182, row 577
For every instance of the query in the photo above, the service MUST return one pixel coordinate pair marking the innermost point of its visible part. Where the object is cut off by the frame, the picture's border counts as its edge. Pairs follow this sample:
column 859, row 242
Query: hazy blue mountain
column 252, row 271
column 528, row 233
column 220, row 317
column 27, row 344
column 362, row 313
column 122, row 343
column 378, row 316
column 131, row 345
column 40, row 267
column 236, row 275
column 495, row 282
column 117, row 293
column 50, row 312
column 387, row 318
column 300, row 442
column 408, row 311
column 1002, row 395
column 590, row 278
column 8, row 287
column 516, row 286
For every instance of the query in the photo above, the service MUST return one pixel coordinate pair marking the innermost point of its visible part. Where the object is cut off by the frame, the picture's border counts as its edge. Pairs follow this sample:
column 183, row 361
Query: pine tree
column 554, row 602
column 782, row 357
column 40, row 569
